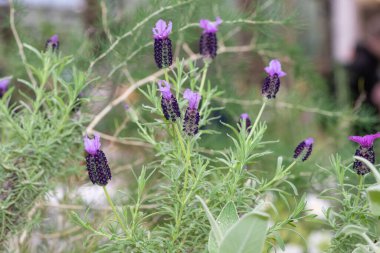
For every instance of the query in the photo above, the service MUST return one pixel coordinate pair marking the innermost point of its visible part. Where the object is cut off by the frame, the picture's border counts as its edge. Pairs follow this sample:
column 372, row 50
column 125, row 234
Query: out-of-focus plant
column 39, row 136
column 354, row 213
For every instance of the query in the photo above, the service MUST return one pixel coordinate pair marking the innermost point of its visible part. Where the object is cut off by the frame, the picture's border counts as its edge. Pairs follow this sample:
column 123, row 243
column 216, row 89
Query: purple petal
column 4, row 84
column 193, row 98
column 209, row 26
column 165, row 89
column 169, row 28
column 92, row 145
column 275, row 68
column 161, row 30
column 218, row 21
column 244, row 116
column 54, row 39
column 203, row 24
column 309, row 141
column 366, row 140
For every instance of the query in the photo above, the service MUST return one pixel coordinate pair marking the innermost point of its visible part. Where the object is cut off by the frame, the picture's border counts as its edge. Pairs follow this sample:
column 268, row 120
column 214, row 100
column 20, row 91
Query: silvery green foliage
column 39, row 137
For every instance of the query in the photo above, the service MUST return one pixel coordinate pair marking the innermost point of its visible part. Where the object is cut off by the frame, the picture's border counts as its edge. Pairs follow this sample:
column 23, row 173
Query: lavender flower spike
column 208, row 43
column 304, row 145
column 169, row 103
column 52, row 43
column 163, row 55
column 191, row 120
column 365, row 150
column 245, row 117
column 96, row 161
column 272, row 81
column 4, row 83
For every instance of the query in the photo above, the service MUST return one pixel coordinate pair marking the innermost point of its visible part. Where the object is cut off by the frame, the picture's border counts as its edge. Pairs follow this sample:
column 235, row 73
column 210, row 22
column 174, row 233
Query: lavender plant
column 187, row 196
column 353, row 215
column 38, row 132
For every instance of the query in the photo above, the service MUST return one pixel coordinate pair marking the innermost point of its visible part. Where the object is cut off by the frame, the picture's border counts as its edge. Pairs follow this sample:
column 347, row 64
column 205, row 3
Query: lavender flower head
column 191, row 120
column 272, row 81
column 365, row 150
column 169, row 103
column 245, row 117
column 307, row 145
column 163, row 55
column 52, row 43
column 96, row 161
column 208, row 43
column 4, row 83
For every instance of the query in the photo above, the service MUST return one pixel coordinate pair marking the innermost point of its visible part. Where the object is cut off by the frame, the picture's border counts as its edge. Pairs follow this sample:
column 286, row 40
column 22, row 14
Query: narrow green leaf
column 214, row 225
column 246, row 236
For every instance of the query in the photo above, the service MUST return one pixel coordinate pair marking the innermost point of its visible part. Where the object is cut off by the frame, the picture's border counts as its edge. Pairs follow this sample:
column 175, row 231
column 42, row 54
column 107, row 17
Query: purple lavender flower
column 96, row 161
column 272, row 81
column 52, row 43
column 245, row 117
column 169, row 103
column 191, row 121
column 208, row 43
column 365, row 150
column 304, row 145
column 4, row 83
column 162, row 44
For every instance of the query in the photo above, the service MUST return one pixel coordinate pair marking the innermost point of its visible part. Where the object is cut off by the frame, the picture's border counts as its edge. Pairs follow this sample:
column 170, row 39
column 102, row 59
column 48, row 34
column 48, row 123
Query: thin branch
column 240, row 21
column 106, row 28
column 95, row 207
column 124, row 142
column 280, row 104
column 152, row 78
column 20, row 46
column 124, row 63
column 137, row 26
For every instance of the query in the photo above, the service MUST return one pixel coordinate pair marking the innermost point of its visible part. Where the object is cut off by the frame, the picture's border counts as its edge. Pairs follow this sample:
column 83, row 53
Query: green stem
column 360, row 188
column 187, row 154
column 276, row 178
column 181, row 142
column 114, row 210
column 166, row 75
column 370, row 243
column 257, row 118
column 205, row 68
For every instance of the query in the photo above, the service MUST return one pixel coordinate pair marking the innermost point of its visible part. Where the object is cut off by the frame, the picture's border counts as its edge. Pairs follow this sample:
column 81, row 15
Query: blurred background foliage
column 314, row 99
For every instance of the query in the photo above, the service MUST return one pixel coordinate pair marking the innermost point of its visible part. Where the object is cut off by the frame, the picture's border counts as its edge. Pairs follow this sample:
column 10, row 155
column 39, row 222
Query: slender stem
column 19, row 42
column 204, row 74
column 181, row 142
column 360, row 188
column 276, row 178
column 166, row 75
column 187, row 154
column 370, row 243
column 114, row 210
column 257, row 118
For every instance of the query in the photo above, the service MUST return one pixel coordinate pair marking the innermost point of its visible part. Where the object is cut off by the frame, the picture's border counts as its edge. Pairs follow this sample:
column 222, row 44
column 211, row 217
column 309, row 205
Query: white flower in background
column 316, row 205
